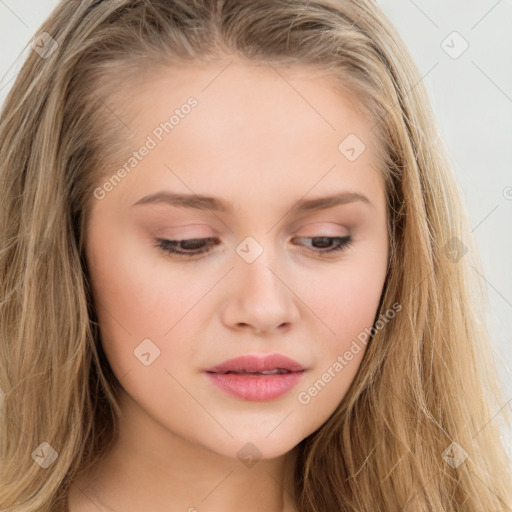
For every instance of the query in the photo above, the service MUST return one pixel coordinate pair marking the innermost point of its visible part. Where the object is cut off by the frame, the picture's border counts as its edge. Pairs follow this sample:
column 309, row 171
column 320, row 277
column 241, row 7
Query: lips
column 257, row 378
column 258, row 364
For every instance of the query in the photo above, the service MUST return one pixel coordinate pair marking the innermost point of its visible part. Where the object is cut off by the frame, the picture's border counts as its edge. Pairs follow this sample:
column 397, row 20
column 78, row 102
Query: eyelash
column 168, row 246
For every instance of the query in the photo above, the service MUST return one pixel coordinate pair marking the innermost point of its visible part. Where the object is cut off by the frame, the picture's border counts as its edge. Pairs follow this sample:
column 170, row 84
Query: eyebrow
column 218, row 205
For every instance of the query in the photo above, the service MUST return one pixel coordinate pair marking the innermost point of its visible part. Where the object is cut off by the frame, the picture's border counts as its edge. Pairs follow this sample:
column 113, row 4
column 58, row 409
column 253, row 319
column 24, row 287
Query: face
column 271, row 269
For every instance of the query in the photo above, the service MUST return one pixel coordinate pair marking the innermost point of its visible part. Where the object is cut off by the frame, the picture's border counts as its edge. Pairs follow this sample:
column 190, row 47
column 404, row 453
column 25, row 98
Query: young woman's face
column 266, row 146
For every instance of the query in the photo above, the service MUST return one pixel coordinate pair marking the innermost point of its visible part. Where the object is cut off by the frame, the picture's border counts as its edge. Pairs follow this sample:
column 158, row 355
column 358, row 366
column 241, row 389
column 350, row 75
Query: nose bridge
column 258, row 264
column 260, row 296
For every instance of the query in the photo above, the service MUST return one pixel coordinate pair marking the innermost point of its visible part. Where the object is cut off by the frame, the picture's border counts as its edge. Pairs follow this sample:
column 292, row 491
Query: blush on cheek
column 346, row 304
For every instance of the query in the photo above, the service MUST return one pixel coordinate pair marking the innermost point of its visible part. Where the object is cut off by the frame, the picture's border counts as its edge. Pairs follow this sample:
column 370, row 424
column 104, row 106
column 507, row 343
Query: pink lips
column 249, row 384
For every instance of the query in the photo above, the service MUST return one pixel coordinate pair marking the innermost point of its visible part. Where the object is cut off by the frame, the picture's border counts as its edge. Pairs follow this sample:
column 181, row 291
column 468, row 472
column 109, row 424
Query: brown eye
column 192, row 246
column 196, row 246
column 321, row 242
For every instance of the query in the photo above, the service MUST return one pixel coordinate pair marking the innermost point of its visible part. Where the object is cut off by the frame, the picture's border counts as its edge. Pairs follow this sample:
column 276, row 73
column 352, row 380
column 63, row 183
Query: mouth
column 276, row 371
column 254, row 386
column 256, row 377
column 264, row 364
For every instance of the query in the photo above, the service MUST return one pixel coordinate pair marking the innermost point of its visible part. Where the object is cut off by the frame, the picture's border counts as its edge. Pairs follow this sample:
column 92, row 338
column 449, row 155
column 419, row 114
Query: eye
column 192, row 246
column 340, row 243
column 196, row 246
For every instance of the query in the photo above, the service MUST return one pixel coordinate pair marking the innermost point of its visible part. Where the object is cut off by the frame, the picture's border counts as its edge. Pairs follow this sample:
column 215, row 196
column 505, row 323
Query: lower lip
column 256, row 387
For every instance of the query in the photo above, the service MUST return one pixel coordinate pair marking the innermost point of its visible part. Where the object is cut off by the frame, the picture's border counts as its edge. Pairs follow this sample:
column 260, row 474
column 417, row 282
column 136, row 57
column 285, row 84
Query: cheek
column 346, row 302
column 135, row 296
column 137, row 303
column 346, row 299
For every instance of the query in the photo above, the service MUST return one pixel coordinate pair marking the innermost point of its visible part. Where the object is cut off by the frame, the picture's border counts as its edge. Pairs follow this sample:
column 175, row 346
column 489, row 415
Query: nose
column 261, row 297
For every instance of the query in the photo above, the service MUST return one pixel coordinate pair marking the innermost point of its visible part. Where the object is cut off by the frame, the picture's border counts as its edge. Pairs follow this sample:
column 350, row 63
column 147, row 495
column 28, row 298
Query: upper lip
column 257, row 363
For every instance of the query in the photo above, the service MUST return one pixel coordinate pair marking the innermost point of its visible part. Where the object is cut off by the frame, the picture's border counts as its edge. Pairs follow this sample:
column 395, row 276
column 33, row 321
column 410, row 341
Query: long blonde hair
column 427, row 379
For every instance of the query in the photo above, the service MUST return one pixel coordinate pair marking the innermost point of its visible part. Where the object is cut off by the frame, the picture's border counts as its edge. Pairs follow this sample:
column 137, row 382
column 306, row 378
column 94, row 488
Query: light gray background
column 472, row 99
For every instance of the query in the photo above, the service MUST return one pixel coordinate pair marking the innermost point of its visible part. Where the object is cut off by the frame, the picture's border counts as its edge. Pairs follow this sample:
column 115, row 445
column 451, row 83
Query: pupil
column 194, row 243
column 324, row 241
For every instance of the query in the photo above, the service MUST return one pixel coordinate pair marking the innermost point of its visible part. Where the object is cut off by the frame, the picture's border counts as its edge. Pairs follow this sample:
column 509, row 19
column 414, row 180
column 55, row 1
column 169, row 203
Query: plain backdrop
column 463, row 49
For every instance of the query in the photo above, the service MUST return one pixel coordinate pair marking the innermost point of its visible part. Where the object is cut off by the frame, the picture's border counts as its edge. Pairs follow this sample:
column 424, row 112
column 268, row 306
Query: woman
column 235, row 270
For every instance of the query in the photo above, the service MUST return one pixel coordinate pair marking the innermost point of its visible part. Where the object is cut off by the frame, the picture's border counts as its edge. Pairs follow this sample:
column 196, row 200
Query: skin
column 260, row 140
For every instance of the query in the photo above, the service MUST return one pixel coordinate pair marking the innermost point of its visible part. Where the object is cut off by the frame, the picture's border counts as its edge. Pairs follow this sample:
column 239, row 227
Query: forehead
column 259, row 97
column 257, row 126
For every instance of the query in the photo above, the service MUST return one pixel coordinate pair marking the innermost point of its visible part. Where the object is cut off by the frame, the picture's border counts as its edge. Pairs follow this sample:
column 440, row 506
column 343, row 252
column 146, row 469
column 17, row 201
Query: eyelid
column 322, row 228
column 198, row 231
